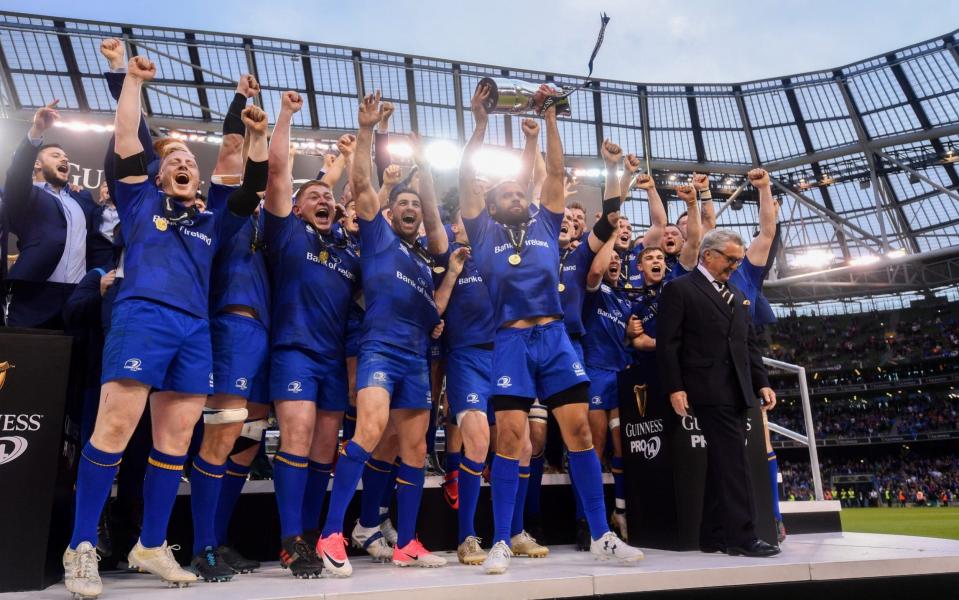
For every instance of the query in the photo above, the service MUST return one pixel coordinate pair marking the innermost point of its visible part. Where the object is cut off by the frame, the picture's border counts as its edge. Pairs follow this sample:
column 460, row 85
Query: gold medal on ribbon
column 324, row 256
column 562, row 287
column 515, row 259
column 628, row 286
column 160, row 223
column 439, row 270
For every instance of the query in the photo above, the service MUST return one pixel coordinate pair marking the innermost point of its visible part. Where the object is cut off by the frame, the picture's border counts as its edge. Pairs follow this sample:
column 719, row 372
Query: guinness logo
column 4, row 367
column 640, row 392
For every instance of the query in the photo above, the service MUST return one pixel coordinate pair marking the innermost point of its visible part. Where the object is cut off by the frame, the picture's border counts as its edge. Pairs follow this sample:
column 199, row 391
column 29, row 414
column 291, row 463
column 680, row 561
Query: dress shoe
column 754, row 547
column 711, row 548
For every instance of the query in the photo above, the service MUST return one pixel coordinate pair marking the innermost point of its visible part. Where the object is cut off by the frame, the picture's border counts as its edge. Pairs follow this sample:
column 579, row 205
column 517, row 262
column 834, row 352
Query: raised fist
column 346, row 144
column 44, row 118
column 328, row 159
column 386, row 111
column 632, row 163
column 612, row 153
column 248, row 86
column 530, row 128
column 687, row 194
column 254, row 119
column 369, row 113
column 569, row 188
column 392, row 175
column 141, row 68
column 291, row 101
column 112, row 50
column 478, row 102
column 458, row 259
column 645, row 182
column 700, row 182
column 758, row 177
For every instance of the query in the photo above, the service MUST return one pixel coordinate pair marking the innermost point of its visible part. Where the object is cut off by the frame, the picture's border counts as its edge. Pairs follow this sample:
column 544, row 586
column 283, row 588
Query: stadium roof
column 863, row 152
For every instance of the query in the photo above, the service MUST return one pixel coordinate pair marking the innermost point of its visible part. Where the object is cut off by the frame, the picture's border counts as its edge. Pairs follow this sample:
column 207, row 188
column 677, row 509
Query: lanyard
column 515, row 258
column 417, row 249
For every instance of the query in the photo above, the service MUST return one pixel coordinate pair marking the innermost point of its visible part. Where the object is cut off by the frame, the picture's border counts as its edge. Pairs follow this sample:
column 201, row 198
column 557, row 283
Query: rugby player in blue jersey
column 160, row 334
column 519, row 259
column 315, row 277
column 630, row 274
column 393, row 370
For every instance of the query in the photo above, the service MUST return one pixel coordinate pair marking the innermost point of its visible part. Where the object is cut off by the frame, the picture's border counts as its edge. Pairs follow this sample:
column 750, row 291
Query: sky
column 655, row 41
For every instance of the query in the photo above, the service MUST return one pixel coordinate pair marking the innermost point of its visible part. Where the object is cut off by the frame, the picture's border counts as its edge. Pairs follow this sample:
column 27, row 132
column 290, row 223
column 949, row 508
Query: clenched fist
column 530, row 128
column 142, row 68
column 112, row 50
column 634, row 328
column 632, row 163
column 612, row 153
column 369, row 112
column 645, row 182
column 254, row 119
column 291, row 102
column 328, row 159
column 687, row 194
column 700, row 182
column 386, row 111
column 758, row 177
column 346, row 144
column 248, row 86
column 44, row 119
column 478, row 102
column 392, row 175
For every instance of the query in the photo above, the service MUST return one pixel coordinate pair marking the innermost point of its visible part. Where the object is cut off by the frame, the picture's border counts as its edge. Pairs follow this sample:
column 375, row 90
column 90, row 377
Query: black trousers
column 729, row 511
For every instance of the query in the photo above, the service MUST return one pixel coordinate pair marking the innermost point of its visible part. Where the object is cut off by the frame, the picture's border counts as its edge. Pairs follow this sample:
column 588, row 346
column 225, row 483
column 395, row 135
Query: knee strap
column 253, row 430
column 613, row 423
column 537, row 412
column 221, row 416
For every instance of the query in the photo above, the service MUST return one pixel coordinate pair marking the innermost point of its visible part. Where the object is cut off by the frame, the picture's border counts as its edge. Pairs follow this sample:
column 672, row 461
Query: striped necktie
column 724, row 291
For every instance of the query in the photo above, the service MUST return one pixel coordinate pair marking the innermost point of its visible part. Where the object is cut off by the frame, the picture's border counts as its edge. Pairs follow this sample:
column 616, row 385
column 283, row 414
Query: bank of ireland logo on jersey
column 133, row 364
column 295, row 386
column 504, row 382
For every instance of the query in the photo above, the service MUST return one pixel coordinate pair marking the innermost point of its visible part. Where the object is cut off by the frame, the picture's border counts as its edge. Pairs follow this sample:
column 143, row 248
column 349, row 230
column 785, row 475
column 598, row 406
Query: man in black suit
column 709, row 359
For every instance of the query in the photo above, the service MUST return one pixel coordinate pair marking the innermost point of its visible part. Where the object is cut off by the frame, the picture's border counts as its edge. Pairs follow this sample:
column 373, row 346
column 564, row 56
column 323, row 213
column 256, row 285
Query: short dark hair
column 685, row 213
column 402, row 189
column 48, row 146
column 576, row 206
column 307, row 185
column 649, row 249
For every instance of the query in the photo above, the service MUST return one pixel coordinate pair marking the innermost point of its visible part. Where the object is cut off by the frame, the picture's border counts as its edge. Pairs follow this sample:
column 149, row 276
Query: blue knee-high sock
column 409, row 492
column 206, row 480
column 774, row 481
column 94, row 480
column 349, row 469
column 504, row 478
column 159, row 492
column 233, row 481
column 585, row 471
column 536, row 465
column 317, row 480
column 518, row 510
column 619, row 483
column 376, row 476
column 471, row 476
column 289, row 483
column 453, row 460
column 580, row 513
column 387, row 499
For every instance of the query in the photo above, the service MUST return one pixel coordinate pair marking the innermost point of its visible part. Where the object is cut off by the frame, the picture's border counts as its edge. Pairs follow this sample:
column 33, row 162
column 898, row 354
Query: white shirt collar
column 709, row 276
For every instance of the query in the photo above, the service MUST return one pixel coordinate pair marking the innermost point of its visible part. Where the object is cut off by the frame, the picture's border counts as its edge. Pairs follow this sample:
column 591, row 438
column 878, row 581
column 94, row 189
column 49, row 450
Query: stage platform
column 824, row 564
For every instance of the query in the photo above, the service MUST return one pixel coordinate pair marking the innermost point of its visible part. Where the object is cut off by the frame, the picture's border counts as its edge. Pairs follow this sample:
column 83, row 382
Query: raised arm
column 445, row 290
column 657, row 211
column 392, row 176
column 630, row 166
column 343, row 163
column 367, row 204
column 600, row 264
column 553, row 197
column 436, row 239
column 20, row 173
column 530, row 152
column 606, row 224
column 229, row 160
column 279, row 186
column 539, row 176
column 381, row 141
column 139, row 70
column 243, row 201
column 758, row 251
column 472, row 204
column 689, row 255
column 707, row 209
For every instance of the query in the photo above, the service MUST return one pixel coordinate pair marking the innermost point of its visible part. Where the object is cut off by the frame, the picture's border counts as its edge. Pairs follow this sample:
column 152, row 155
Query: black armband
column 255, row 175
column 233, row 123
column 603, row 229
column 131, row 166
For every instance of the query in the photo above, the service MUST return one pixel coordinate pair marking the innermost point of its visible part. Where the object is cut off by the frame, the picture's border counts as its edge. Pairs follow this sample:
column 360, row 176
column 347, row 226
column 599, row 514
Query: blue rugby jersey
column 575, row 267
column 240, row 277
column 749, row 279
column 630, row 272
column 645, row 306
column 469, row 313
column 605, row 313
column 398, row 287
column 166, row 262
column 530, row 288
column 314, row 281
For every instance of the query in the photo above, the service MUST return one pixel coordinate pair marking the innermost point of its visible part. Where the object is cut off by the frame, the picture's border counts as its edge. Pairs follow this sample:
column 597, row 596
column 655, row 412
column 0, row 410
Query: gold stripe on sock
column 100, row 464
column 162, row 465
column 469, row 470
column 403, row 481
column 506, row 457
column 207, row 473
column 377, row 469
column 235, row 474
column 285, row 460
column 524, row 475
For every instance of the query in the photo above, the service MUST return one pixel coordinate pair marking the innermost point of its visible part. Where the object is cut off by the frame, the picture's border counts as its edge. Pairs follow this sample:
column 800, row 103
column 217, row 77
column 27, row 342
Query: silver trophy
column 518, row 97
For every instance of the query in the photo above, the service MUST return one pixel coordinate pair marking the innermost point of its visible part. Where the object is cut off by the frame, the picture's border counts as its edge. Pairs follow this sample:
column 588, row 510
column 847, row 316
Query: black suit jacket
column 706, row 347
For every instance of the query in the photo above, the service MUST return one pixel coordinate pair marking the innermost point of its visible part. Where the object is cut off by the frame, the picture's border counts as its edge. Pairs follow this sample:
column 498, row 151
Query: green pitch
column 935, row 522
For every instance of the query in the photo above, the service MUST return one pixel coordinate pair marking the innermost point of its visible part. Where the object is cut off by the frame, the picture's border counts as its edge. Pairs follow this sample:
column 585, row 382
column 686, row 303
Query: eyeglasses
column 732, row 260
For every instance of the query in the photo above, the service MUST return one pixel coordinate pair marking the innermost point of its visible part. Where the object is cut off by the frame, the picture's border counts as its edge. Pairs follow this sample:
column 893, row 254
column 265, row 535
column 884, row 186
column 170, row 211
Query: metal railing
column 809, row 440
